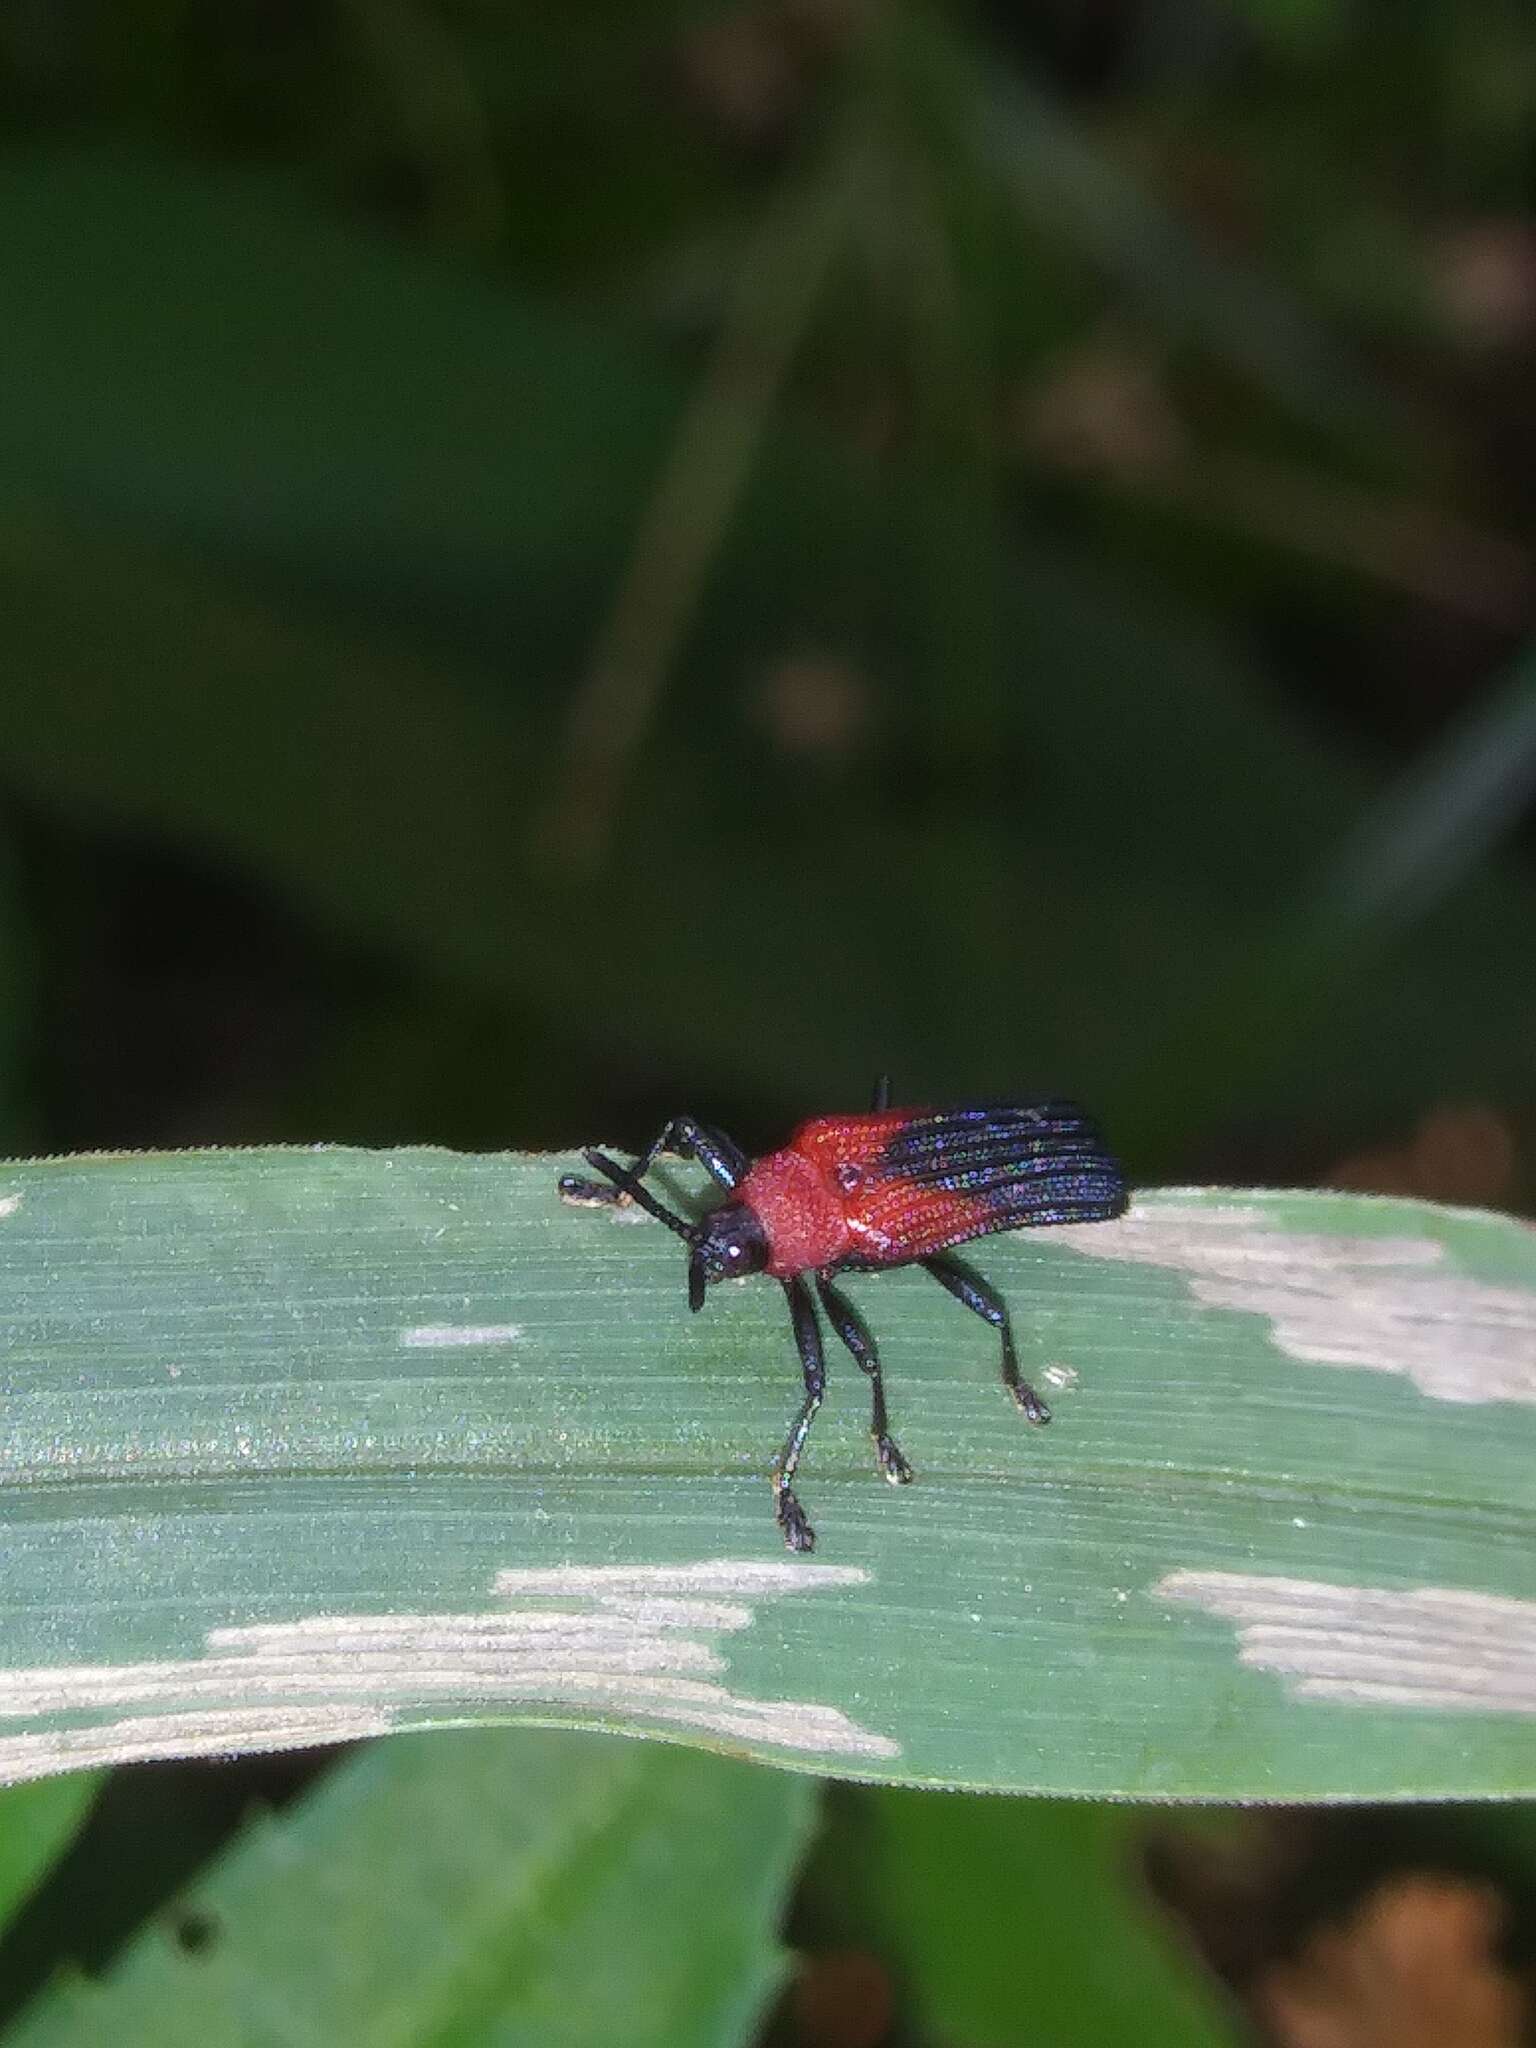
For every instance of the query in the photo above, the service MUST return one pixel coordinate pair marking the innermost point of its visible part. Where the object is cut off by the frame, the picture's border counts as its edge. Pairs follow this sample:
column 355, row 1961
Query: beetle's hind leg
column 970, row 1288
column 798, row 1533
column 685, row 1138
column 848, row 1324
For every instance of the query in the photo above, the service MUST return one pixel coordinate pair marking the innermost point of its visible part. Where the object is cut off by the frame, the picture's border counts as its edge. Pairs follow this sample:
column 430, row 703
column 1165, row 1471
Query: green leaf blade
column 307, row 1445
column 37, row 1823
column 1014, row 1921
column 453, row 1893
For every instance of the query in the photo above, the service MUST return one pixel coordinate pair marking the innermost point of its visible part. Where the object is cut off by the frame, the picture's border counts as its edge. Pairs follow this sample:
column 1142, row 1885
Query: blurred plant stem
column 1438, row 824
column 1038, row 156
column 783, row 269
column 954, row 387
column 1410, row 852
column 1401, row 541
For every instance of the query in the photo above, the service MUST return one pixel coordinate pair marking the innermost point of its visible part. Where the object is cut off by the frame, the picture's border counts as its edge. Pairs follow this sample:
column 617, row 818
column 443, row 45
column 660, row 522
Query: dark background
column 563, row 564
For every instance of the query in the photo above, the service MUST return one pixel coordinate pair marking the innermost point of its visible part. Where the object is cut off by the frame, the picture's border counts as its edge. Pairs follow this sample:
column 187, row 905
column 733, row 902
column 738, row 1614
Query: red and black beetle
column 854, row 1193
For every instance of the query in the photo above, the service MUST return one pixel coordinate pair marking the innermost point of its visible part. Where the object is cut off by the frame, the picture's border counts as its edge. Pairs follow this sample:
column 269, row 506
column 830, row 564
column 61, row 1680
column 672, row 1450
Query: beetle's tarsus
column 591, row 1194
column 892, row 1464
column 1034, row 1408
column 798, row 1533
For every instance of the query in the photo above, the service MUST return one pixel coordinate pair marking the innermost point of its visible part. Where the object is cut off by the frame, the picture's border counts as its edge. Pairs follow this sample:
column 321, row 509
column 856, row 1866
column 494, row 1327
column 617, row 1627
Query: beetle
column 891, row 1187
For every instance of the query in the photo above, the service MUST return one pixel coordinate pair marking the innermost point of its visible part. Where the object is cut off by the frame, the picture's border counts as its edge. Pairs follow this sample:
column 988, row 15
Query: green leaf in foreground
column 458, row 1892
column 305, row 1445
column 37, row 1824
column 1011, row 1922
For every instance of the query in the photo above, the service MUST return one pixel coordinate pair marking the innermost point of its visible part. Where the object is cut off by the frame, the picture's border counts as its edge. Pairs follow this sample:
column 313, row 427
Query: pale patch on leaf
column 635, row 1642
column 1382, row 1304
column 1371, row 1646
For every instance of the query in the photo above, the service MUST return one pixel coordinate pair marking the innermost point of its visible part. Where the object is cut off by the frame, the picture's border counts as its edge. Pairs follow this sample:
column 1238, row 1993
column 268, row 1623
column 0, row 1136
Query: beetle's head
column 729, row 1244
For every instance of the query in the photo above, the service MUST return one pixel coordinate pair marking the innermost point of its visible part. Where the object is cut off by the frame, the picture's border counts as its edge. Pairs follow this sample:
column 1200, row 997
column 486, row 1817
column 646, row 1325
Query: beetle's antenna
column 623, row 1179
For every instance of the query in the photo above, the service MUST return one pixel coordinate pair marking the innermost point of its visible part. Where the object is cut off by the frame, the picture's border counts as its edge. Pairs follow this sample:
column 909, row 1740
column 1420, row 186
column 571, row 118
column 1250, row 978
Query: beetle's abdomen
column 801, row 1212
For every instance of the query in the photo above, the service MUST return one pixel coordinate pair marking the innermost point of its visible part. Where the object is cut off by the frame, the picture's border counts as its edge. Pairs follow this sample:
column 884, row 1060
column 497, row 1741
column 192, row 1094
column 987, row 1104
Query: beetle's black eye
column 734, row 1243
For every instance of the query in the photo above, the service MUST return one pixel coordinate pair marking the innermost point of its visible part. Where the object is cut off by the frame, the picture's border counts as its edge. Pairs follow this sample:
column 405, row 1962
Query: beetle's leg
column 880, row 1095
column 798, row 1533
column 685, row 1138
column 848, row 1324
column 970, row 1288
column 722, row 1159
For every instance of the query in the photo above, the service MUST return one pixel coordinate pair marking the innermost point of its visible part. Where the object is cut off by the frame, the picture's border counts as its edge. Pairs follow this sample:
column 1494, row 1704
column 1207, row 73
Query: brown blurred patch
column 1483, row 275
column 1231, row 1879
column 843, row 1999
column 752, row 70
column 1461, row 1152
column 1415, row 1967
column 742, row 72
column 813, row 705
column 1103, row 410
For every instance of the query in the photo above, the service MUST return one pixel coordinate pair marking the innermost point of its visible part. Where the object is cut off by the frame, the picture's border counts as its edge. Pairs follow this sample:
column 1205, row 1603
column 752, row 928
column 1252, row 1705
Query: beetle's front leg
column 683, row 1137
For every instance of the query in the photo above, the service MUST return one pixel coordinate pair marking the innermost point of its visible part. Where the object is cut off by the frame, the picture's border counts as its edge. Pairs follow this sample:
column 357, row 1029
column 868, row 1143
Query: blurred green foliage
column 561, row 564
column 1009, row 1920
column 524, row 1859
